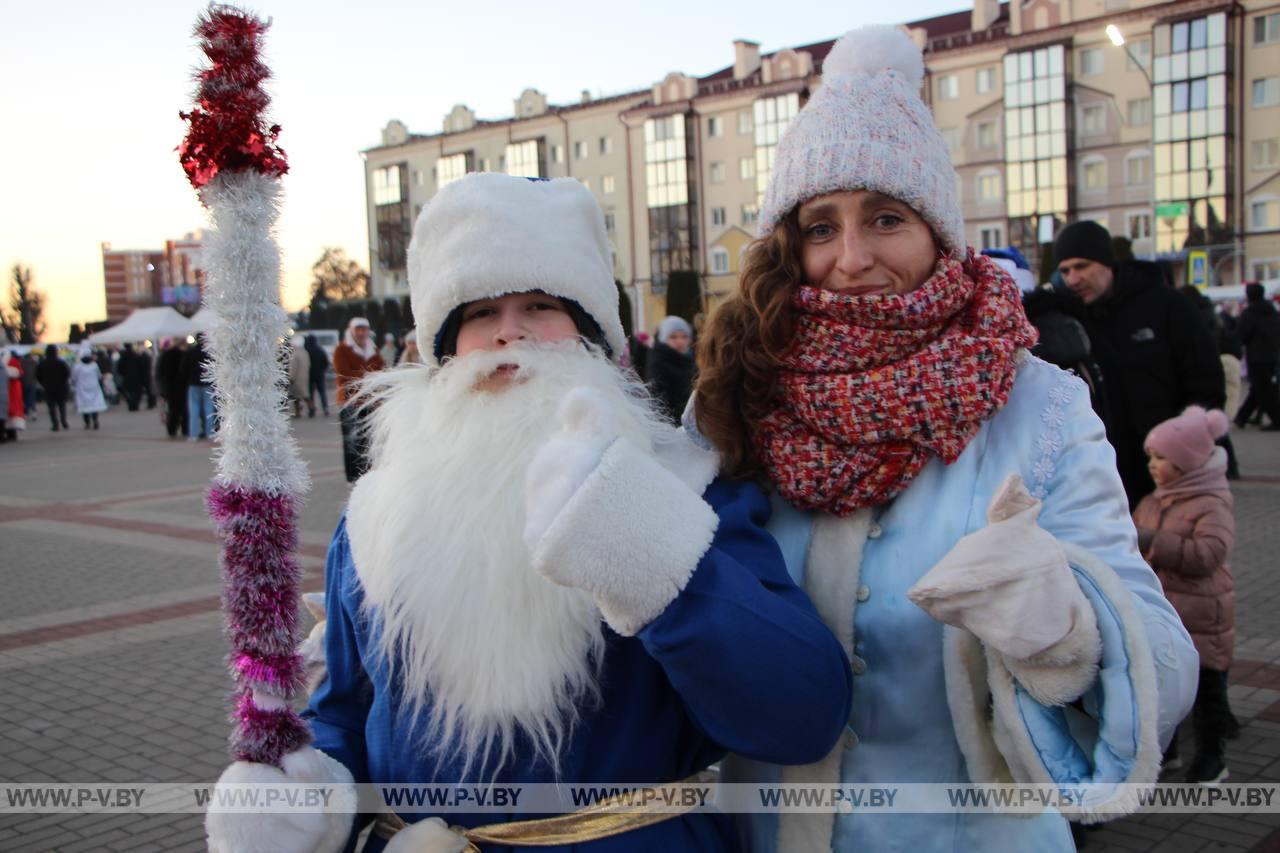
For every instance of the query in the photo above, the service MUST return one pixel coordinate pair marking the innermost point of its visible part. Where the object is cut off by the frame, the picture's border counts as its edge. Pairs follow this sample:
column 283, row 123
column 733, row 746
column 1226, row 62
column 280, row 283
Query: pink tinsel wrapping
column 260, row 598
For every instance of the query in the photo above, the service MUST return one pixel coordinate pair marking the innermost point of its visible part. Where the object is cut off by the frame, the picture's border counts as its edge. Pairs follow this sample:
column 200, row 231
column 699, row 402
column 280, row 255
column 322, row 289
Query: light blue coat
column 902, row 727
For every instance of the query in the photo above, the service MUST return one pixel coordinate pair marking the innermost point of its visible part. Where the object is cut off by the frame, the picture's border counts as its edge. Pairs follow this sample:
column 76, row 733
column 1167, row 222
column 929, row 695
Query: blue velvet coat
column 738, row 661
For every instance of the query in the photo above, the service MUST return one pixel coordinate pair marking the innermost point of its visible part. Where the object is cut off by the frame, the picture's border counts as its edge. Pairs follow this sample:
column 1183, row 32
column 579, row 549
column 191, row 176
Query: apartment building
column 1171, row 138
column 144, row 278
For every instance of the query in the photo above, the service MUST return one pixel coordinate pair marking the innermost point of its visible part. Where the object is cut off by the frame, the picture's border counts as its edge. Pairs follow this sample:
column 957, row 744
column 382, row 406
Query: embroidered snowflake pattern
column 1049, row 444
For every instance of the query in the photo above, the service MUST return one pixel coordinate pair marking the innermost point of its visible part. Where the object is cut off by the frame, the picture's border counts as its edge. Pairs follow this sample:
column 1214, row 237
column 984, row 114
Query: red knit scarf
column 872, row 386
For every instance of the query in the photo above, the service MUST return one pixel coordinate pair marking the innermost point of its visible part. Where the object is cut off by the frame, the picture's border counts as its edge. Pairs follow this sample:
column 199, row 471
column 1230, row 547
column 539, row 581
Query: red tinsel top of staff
column 228, row 131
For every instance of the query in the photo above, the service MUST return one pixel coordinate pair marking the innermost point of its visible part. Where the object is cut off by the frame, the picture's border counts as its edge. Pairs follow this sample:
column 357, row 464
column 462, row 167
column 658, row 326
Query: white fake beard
column 485, row 647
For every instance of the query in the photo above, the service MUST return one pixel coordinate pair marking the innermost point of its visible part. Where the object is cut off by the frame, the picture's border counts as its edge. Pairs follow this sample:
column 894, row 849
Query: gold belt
column 591, row 823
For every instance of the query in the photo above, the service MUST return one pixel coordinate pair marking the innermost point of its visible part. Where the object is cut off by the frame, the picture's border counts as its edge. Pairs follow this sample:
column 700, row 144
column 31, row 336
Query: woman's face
column 678, row 341
column 864, row 243
column 492, row 324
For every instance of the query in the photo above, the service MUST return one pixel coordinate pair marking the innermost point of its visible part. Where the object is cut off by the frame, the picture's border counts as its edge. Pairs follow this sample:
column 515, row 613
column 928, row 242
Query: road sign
column 1198, row 268
column 1171, row 209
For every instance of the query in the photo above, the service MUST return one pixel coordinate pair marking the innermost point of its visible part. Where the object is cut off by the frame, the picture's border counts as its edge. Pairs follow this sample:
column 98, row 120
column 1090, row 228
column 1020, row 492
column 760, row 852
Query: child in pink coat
column 1186, row 531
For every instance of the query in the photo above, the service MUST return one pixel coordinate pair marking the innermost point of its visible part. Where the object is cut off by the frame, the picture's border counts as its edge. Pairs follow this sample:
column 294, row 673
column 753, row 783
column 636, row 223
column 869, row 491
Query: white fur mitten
column 426, row 836
column 606, row 517
column 1010, row 585
column 284, row 832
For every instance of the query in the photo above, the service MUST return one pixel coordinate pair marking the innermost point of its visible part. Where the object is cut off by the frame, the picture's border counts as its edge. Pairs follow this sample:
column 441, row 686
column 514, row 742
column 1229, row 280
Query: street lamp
column 1117, row 38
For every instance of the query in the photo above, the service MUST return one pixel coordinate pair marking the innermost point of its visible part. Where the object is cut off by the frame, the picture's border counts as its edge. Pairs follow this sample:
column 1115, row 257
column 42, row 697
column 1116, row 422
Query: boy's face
column 1162, row 470
column 497, row 323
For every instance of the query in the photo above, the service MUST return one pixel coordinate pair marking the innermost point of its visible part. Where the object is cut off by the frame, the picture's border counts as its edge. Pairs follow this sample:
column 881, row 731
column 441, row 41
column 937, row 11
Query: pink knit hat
column 1187, row 440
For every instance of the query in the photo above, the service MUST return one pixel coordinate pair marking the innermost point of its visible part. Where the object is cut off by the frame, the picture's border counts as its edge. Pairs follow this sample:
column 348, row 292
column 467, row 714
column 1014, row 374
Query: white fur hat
column 867, row 129
column 488, row 235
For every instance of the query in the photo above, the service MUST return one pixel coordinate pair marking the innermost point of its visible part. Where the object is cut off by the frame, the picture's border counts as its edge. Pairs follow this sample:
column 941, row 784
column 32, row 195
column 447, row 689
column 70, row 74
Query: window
column 719, row 260
column 557, row 153
column 986, row 134
column 673, row 221
column 1266, row 92
column 610, row 222
column 750, row 214
column 989, row 188
column 986, row 80
column 1266, row 270
column 718, row 216
column 606, row 184
column 1141, row 50
column 1091, row 61
column 770, row 117
column 746, row 168
column 1093, row 120
column 1139, row 112
column 606, row 145
column 524, row 159
column 1264, row 153
column 948, row 87
column 1264, row 214
column 386, row 185
column 1137, row 170
column 580, row 150
column 744, row 123
column 991, row 237
column 715, row 126
column 1093, row 175
column 485, row 164
column 1266, row 28
column 951, row 136
column 1138, row 225
column 717, row 172
column 450, row 168
column 1036, row 180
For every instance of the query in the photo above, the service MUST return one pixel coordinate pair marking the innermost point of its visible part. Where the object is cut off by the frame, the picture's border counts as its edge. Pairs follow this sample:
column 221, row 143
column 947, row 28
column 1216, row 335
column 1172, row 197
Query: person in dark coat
column 670, row 367
column 144, row 377
column 127, row 370
column 316, row 376
column 1260, row 333
column 201, row 417
column 1156, row 355
column 172, row 382
column 54, row 377
column 1209, row 318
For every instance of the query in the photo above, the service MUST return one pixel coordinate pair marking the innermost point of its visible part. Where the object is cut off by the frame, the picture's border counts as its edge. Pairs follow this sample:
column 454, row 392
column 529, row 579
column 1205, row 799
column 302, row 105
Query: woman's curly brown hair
column 740, row 352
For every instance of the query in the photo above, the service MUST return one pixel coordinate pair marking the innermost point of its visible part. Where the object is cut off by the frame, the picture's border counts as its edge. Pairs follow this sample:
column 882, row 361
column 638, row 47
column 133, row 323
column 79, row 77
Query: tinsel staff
column 231, row 158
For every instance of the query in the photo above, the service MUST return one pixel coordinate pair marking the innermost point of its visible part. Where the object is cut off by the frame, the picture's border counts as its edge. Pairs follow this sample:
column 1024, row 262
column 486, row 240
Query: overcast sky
column 91, row 94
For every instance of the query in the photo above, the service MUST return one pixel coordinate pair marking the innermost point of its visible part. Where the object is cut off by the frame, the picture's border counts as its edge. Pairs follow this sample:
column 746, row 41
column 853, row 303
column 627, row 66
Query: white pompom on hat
column 867, row 129
column 487, row 235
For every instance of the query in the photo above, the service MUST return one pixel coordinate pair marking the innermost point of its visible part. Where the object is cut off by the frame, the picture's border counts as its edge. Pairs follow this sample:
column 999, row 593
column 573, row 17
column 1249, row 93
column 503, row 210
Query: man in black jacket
column 1260, row 333
column 1156, row 354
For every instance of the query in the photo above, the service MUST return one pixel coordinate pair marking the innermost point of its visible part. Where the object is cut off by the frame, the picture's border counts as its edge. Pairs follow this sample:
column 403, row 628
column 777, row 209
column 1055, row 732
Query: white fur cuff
column 631, row 536
column 1064, row 671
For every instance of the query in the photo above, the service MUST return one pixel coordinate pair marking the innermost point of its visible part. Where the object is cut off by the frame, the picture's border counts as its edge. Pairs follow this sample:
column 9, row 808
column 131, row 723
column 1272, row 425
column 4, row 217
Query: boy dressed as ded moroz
column 539, row 579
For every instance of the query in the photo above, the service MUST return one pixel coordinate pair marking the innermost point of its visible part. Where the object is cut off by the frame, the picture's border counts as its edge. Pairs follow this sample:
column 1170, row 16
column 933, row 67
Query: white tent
column 144, row 324
column 203, row 320
column 1235, row 292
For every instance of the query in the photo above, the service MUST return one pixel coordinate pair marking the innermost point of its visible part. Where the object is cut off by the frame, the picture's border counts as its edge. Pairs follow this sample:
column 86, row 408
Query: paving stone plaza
column 111, row 646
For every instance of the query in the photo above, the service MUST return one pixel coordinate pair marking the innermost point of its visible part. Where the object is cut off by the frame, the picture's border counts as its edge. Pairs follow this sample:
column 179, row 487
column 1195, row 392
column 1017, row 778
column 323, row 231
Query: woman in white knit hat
column 537, row 580
column 949, row 502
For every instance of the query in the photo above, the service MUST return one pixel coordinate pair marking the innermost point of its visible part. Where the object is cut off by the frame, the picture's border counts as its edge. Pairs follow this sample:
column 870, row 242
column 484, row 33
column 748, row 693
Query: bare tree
column 336, row 277
column 27, row 304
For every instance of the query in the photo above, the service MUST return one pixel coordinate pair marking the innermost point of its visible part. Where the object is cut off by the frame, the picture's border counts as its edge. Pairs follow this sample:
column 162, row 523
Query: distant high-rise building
column 143, row 278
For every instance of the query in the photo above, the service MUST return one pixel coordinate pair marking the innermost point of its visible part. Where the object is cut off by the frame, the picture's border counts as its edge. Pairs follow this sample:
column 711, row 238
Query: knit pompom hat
column 1187, row 440
column 867, row 129
column 487, row 235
